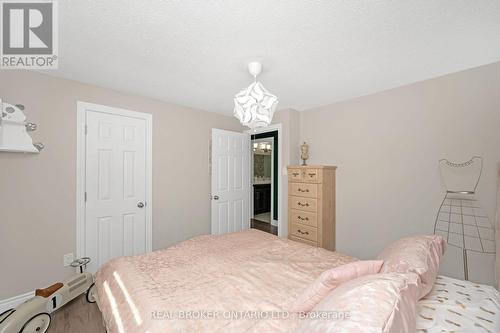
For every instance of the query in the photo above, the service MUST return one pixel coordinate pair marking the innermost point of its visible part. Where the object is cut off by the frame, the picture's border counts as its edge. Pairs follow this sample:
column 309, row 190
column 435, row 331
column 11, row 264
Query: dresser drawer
column 308, row 204
column 304, row 175
column 299, row 216
column 295, row 175
column 311, row 176
column 302, row 240
column 304, row 231
column 304, row 190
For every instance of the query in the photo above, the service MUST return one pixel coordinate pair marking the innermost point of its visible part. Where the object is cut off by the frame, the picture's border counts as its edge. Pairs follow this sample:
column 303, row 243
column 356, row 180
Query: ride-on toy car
column 33, row 316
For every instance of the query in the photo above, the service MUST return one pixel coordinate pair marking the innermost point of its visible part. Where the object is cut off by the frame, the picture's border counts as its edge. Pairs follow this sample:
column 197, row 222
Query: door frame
column 272, row 179
column 270, row 128
column 82, row 108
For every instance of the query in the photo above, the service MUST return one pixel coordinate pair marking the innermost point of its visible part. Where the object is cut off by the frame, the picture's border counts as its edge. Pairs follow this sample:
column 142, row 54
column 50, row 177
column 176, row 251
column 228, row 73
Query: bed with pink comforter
column 239, row 282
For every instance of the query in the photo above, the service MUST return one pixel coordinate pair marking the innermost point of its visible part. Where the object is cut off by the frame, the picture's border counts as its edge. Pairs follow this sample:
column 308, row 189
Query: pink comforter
column 237, row 282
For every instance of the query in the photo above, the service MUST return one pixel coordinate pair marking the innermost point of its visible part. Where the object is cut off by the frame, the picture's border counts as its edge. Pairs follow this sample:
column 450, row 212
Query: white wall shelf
column 14, row 130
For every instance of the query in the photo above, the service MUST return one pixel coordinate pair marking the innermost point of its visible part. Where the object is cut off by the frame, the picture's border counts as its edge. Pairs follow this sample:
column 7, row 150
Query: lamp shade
column 254, row 106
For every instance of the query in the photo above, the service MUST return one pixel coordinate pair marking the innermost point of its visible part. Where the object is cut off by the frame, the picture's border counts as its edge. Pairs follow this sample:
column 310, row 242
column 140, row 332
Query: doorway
column 265, row 181
column 113, row 183
column 232, row 179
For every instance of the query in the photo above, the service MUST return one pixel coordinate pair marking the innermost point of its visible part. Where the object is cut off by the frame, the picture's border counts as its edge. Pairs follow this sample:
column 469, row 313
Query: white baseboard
column 12, row 302
column 274, row 222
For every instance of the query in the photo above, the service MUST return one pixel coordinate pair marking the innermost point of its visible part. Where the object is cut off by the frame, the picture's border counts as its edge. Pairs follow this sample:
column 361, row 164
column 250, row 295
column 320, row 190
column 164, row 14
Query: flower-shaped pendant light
column 254, row 106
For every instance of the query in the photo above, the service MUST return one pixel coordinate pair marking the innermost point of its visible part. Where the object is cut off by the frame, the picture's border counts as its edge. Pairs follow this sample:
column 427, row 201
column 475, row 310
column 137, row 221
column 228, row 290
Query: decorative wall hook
column 30, row 127
column 39, row 146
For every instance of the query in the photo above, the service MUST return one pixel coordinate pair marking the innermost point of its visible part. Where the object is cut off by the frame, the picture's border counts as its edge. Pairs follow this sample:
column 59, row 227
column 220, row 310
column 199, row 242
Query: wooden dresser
column 311, row 205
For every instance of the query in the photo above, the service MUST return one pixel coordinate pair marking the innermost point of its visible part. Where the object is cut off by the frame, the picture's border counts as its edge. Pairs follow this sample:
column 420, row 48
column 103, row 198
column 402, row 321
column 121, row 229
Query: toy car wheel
column 91, row 294
column 37, row 324
column 5, row 314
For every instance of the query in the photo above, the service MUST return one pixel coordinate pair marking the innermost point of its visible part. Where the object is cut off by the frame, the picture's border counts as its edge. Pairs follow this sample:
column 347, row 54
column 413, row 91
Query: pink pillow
column 417, row 254
column 331, row 279
column 372, row 303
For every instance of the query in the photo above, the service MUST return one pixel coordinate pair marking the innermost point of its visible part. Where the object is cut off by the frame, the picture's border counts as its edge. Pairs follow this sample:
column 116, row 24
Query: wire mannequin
column 460, row 219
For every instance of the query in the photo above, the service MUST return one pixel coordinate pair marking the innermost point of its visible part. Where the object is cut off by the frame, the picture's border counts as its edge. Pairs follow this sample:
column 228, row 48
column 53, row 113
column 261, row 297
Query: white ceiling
column 195, row 53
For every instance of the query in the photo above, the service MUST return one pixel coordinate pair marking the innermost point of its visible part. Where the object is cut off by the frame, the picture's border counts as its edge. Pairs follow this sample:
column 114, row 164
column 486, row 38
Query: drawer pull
column 295, row 174
column 312, row 174
column 302, row 218
column 303, row 205
column 303, row 191
column 302, row 232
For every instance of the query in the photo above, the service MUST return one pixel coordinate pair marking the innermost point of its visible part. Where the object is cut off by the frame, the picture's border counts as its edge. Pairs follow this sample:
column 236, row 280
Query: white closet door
column 115, row 214
column 230, row 181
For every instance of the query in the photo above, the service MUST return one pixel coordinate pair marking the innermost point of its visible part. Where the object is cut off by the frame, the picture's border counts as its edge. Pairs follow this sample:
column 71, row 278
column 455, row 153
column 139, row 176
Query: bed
column 459, row 306
column 238, row 282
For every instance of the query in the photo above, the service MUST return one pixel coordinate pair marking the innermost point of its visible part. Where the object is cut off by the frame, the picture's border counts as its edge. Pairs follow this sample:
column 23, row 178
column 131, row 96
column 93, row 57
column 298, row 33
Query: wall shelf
column 14, row 130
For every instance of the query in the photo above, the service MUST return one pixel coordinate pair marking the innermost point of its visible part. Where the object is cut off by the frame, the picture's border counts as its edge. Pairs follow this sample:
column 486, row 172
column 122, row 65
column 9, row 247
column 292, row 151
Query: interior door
column 115, row 177
column 230, row 181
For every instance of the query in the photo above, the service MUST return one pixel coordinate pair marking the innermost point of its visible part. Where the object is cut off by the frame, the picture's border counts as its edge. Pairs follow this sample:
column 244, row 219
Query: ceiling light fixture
column 254, row 106
column 262, row 147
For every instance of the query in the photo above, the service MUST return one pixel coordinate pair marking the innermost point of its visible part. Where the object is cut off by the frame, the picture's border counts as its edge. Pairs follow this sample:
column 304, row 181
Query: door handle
column 140, row 204
column 216, row 197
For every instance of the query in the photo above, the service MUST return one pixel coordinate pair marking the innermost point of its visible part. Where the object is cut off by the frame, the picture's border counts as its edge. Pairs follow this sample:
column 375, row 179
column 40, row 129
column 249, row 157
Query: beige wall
column 37, row 192
column 498, row 230
column 290, row 122
column 387, row 148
